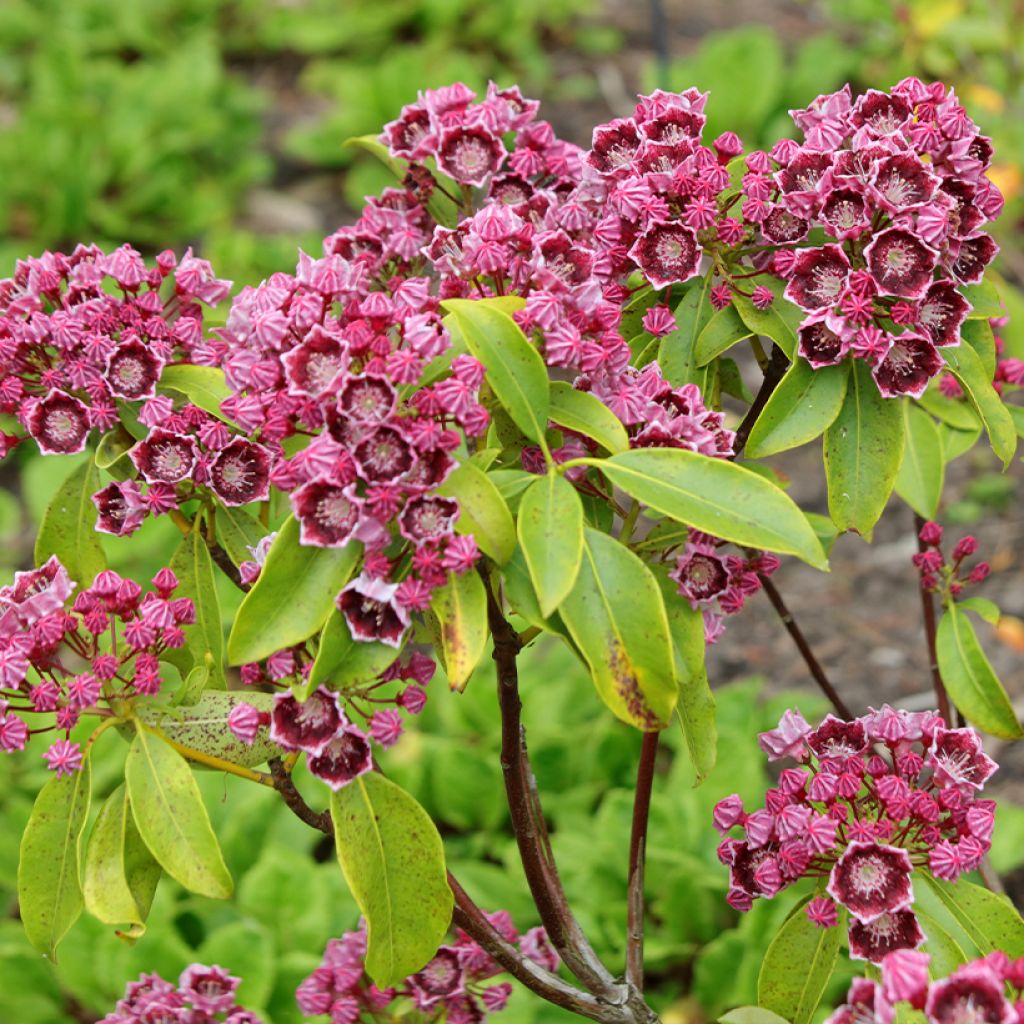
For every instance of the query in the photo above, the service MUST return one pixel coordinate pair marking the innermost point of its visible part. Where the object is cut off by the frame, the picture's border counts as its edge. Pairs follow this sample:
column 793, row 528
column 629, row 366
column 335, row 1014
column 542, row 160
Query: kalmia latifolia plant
column 509, row 402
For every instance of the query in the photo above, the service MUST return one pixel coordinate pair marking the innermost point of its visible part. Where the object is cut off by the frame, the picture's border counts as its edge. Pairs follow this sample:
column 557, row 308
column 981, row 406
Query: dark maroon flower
column 973, row 256
column 121, row 508
column 328, row 514
column 700, row 576
column 846, row 212
column 836, row 738
column 411, row 134
column 902, row 181
column 133, row 370
column 875, row 939
column 804, row 173
column 818, row 278
column 782, row 226
column 469, row 154
column 880, row 112
column 428, row 518
column 958, row 760
column 210, row 989
column 974, row 994
column 819, row 344
column 666, row 253
column 240, row 473
column 59, row 423
column 367, row 399
column 342, row 759
column 383, row 455
column 966, row 215
column 941, row 312
column 372, row 612
column 441, row 978
column 305, row 725
column 908, row 366
column 614, row 146
column 871, row 880
column 164, row 457
column 313, row 367
column 900, row 263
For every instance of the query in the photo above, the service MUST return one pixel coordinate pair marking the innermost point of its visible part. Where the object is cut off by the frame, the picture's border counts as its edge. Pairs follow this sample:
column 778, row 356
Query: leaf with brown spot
column 461, row 610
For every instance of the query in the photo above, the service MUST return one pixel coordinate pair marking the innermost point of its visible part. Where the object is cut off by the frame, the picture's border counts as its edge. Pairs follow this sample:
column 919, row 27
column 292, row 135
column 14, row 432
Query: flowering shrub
column 498, row 406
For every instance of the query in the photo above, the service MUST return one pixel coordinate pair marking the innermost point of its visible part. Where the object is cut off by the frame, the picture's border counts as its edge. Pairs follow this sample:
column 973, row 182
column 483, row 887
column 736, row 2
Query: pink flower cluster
column 717, row 584
column 940, row 577
column 203, row 995
column 897, row 183
column 988, row 990
column 321, row 726
column 68, row 662
column 873, row 800
column 71, row 348
column 451, row 987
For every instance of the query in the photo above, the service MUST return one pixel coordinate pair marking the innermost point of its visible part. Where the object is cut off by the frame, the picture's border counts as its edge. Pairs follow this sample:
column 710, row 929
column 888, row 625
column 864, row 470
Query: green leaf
column 923, row 469
column 522, row 596
column 982, row 607
column 957, row 442
column 393, row 860
column 716, row 497
column 945, row 951
column 1017, row 415
column 797, row 968
column 192, row 564
column 863, row 450
column 112, row 449
column 514, row 368
column 616, row 616
column 972, row 684
column 956, row 413
column 677, row 350
column 461, row 610
column 587, row 415
column 203, row 386
column 989, row 919
column 550, row 528
column 292, row 597
column 120, row 876
column 780, row 321
column 751, row 1015
column 49, row 891
column 801, row 408
column 967, row 367
column 68, row 529
column 482, row 511
column 978, row 334
column 720, row 333
column 238, row 531
column 984, row 300
column 171, row 817
column 342, row 662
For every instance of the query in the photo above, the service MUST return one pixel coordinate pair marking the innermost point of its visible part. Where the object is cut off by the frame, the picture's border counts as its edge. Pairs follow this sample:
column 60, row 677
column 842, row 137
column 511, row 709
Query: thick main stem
column 637, row 857
column 773, row 373
column 528, row 821
column 928, row 614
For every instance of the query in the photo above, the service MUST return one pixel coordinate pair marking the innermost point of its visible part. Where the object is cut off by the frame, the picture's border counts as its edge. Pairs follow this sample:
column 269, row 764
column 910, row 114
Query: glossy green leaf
column 957, row 442
column 863, row 450
column 293, row 596
column 49, row 890
column 717, row 497
column 979, row 335
column 984, row 300
column 923, row 469
column 68, row 529
column 982, row 607
column 522, row 596
column 970, row 680
column 780, row 321
column 171, row 817
column 751, row 1015
column 957, row 413
column 617, row 618
column 482, row 511
column 112, row 452
column 192, row 564
column 720, row 333
column 1017, row 415
column 550, row 528
column 393, row 860
column 677, row 350
column 238, row 531
column 797, row 968
column 587, row 415
column 514, row 368
column 120, row 875
column 461, row 610
column 203, row 386
column 342, row 662
column 632, row 322
column 989, row 919
column 801, row 408
column 945, row 951
column 967, row 367
column 511, row 484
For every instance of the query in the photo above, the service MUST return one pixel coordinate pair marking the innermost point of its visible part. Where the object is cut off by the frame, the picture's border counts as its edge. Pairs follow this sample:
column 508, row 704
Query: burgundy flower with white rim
column 343, row 758
column 907, row 367
column 880, row 112
column 818, row 278
column 819, row 344
column 328, row 514
column 383, row 455
column 900, row 263
column 667, row 253
column 782, row 226
column 958, row 760
column 429, row 518
column 372, row 613
column 972, row 257
column 700, row 577
column 613, row 148
column 240, row 473
column 871, row 880
column 846, row 212
column 974, row 994
column 121, row 508
column 875, row 939
column 902, row 182
column 367, row 399
column 59, row 423
column 836, row 738
column 164, row 457
column 314, row 366
column 469, row 155
column 442, row 978
column 307, row 725
column 133, row 370
column 210, row 989
column 942, row 312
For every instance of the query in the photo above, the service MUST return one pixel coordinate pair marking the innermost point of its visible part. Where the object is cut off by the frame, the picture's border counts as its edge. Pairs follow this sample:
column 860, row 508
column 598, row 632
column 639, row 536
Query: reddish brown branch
column 637, row 857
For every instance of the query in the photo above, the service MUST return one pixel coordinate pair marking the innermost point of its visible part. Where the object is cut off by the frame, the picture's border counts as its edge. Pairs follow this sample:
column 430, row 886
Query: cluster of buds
column 69, row 661
column 71, row 348
column 203, row 995
column 323, row 726
column 451, row 987
column 718, row 584
column 938, row 576
column 897, row 183
column 873, row 800
column 989, row 990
